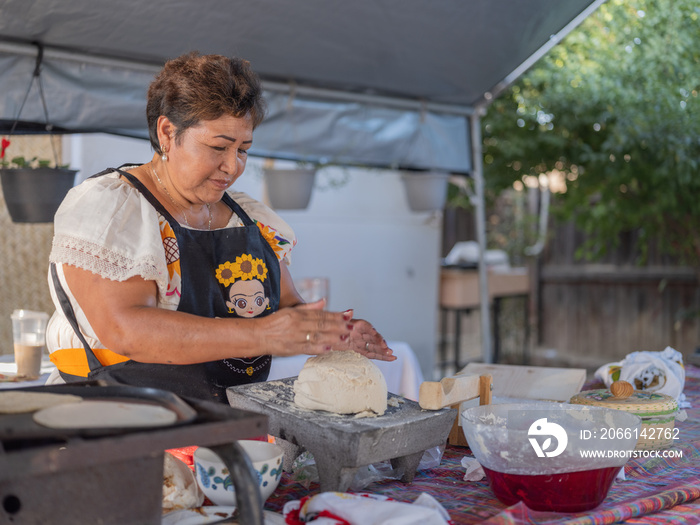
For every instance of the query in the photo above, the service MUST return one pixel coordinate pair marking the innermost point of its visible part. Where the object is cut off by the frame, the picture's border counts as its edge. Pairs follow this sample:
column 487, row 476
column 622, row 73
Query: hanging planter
column 32, row 189
column 289, row 189
column 425, row 190
column 34, row 194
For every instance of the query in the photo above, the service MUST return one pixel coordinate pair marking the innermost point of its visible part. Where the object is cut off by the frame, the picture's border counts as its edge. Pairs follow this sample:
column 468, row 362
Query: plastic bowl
column 215, row 481
column 553, row 457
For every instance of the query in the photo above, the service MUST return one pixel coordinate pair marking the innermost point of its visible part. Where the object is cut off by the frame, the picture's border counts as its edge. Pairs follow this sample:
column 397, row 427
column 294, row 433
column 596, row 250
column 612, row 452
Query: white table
column 9, row 367
column 403, row 376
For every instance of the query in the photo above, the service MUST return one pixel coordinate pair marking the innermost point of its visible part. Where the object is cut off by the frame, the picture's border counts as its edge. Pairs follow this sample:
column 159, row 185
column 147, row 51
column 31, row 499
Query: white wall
column 92, row 153
column 381, row 259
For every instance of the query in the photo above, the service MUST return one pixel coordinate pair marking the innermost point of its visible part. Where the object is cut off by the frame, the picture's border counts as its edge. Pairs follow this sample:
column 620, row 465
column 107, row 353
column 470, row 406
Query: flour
column 394, row 401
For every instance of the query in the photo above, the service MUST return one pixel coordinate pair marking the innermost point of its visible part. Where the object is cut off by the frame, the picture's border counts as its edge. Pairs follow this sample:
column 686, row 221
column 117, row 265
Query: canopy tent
column 390, row 83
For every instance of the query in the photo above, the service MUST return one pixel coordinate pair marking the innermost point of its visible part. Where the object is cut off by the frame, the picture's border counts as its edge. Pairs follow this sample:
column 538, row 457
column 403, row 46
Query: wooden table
column 460, row 296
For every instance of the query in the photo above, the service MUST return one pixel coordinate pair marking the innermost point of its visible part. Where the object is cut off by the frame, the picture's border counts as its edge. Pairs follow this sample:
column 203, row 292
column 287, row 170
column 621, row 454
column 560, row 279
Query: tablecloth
column 656, row 490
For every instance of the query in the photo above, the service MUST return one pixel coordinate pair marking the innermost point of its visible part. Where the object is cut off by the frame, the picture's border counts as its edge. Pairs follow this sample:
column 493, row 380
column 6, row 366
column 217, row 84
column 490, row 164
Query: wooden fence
column 588, row 313
column 607, row 309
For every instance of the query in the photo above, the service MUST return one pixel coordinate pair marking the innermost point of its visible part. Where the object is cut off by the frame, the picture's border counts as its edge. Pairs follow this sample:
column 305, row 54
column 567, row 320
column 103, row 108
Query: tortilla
column 105, row 414
column 14, row 402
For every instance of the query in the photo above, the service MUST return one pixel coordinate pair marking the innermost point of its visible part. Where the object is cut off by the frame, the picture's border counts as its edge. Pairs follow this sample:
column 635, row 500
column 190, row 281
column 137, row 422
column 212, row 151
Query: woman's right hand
column 305, row 329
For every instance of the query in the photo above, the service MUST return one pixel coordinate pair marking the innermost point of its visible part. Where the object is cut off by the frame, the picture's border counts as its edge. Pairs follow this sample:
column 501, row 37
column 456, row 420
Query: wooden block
column 434, row 395
column 485, row 389
column 456, row 436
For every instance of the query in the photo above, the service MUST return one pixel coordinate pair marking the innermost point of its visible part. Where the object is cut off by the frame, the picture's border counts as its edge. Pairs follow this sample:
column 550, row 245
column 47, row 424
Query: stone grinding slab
column 341, row 444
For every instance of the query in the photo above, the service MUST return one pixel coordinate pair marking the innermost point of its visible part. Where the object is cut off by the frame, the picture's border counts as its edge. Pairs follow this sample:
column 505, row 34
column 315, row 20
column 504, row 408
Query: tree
column 614, row 110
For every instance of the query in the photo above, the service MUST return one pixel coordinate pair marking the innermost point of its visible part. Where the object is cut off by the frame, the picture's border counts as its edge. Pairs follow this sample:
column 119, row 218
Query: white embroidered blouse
column 107, row 226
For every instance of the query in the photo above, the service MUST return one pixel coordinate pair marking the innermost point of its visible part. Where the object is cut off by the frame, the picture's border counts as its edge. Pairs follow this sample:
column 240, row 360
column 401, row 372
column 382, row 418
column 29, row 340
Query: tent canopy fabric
column 373, row 82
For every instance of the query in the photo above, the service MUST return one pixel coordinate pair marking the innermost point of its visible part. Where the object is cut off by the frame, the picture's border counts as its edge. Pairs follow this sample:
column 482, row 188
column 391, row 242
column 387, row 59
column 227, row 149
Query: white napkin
column 180, row 489
column 660, row 372
column 364, row 509
column 474, row 470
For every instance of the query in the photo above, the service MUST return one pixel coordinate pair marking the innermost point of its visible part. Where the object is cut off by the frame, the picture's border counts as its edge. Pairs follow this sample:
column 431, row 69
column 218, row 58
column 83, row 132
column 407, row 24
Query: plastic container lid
column 29, row 314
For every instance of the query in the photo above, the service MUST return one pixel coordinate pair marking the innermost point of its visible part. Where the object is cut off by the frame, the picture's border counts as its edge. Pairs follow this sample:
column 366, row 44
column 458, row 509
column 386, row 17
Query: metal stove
column 115, row 476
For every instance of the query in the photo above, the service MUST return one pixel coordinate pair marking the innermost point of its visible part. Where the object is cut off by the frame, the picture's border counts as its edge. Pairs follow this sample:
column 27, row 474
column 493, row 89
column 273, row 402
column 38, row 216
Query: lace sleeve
column 105, row 226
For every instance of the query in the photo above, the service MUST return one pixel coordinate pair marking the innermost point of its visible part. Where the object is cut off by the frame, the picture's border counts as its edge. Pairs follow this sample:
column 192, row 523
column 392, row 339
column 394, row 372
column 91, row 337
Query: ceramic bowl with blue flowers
column 214, row 478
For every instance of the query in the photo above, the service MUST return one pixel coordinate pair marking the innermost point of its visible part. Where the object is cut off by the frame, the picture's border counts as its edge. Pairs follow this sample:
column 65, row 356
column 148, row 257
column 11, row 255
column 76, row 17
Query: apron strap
column 233, row 205
column 68, row 311
column 147, row 194
column 245, row 218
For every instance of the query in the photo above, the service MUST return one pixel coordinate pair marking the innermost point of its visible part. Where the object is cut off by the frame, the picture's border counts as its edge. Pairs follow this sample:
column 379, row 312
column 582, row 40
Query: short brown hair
column 195, row 87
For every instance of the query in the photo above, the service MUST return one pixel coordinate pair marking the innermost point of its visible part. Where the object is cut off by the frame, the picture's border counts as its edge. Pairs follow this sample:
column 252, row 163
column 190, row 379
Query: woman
column 161, row 278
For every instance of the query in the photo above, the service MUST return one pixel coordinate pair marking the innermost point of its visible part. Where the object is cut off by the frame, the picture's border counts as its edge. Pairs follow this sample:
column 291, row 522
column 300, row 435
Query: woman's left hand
column 365, row 340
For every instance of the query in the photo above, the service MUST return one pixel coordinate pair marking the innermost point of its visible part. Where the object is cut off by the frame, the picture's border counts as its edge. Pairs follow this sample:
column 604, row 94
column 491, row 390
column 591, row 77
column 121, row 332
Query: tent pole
column 494, row 92
column 479, row 205
column 366, row 98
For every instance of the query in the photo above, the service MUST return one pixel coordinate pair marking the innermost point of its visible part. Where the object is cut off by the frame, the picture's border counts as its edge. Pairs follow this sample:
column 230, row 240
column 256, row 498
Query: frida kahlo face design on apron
column 244, row 278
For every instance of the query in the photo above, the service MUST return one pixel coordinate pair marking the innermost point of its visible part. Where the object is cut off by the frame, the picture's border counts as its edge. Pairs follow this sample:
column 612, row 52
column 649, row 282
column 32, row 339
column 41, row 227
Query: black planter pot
column 34, row 194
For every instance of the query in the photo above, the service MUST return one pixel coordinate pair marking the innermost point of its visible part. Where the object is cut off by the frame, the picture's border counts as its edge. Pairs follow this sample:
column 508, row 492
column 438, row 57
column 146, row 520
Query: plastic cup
column 312, row 289
column 29, row 335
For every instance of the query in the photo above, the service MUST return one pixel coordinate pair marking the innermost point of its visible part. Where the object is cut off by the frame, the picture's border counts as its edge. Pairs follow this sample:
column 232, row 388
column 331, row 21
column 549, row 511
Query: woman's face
column 209, row 157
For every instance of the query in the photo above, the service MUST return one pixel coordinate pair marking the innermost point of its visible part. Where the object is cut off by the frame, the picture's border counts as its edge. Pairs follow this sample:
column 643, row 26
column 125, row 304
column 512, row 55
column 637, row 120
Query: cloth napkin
column 662, row 372
column 342, row 508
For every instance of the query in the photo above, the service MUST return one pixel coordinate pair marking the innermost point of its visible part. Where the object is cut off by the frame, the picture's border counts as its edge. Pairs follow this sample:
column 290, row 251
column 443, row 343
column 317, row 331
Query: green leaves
column 22, row 162
column 615, row 108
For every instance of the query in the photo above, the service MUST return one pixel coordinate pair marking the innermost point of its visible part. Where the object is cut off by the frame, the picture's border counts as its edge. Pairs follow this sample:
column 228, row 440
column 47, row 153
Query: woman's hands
column 365, row 340
column 325, row 330
column 308, row 329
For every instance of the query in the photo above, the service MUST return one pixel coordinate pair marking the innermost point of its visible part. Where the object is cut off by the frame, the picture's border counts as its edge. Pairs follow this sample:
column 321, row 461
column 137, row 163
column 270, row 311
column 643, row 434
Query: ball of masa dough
column 341, row 382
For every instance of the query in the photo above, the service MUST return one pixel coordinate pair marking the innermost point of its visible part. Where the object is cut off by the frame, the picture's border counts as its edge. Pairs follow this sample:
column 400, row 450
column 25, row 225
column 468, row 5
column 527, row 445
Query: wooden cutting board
column 531, row 382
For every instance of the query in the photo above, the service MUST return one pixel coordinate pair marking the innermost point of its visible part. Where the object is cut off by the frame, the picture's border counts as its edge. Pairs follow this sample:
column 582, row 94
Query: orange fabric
column 184, row 454
column 73, row 361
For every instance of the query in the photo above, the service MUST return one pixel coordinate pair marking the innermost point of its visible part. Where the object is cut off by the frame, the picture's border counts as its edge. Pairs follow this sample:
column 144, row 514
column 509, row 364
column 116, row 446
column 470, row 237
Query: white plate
column 207, row 514
column 105, row 414
column 212, row 514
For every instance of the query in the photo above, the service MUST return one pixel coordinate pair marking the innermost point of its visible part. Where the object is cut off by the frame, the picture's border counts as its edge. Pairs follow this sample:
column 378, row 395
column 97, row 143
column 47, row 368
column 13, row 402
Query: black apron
column 230, row 272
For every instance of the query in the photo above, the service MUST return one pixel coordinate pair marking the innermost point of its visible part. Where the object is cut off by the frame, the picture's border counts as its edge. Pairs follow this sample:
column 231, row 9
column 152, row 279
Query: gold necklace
column 184, row 213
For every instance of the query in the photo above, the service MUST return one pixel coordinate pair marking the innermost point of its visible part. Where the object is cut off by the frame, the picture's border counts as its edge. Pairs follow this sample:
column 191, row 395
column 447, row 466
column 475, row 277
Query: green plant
column 613, row 109
column 21, row 162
